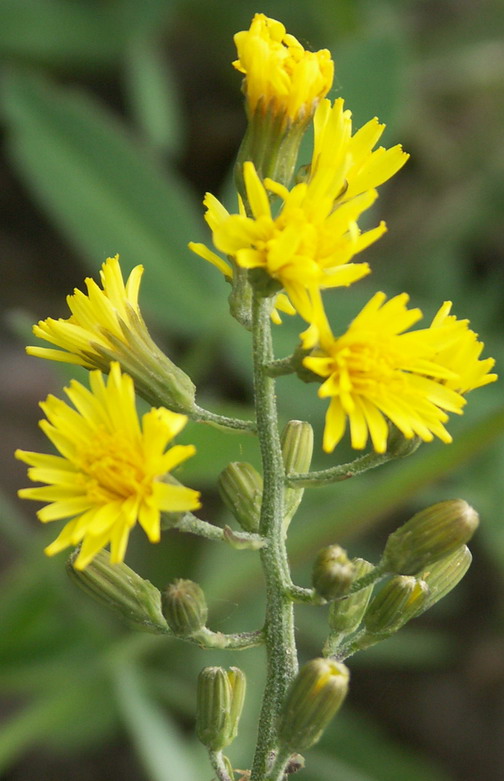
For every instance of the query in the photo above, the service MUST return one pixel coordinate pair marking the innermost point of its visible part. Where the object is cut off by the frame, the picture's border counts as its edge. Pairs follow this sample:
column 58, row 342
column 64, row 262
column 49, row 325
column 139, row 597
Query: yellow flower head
column 279, row 74
column 112, row 470
column 307, row 246
column 105, row 325
column 378, row 371
column 98, row 321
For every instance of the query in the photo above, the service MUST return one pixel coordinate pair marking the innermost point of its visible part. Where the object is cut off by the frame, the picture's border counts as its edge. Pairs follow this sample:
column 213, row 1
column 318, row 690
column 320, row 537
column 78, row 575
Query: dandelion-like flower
column 379, row 370
column 307, row 244
column 112, row 471
column 280, row 75
column 306, row 247
column 106, row 325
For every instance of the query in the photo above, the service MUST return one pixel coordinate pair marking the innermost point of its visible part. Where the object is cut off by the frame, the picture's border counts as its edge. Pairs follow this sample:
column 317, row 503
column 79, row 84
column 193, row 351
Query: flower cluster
column 287, row 242
column 296, row 241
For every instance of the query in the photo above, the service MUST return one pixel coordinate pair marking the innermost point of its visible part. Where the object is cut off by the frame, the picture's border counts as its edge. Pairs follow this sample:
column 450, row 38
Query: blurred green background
column 116, row 116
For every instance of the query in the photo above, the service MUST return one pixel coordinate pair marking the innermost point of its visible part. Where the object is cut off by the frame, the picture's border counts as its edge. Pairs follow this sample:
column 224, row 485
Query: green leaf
column 108, row 195
column 58, row 33
column 161, row 748
column 151, row 93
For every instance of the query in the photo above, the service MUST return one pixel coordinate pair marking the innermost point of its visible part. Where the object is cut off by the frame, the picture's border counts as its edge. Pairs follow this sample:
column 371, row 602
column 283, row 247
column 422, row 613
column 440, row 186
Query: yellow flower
column 376, row 371
column 279, row 74
column 461, row 356
column 344, row 166
column 112, row 471
column 105, row 325
column 98, row 319
column 305, row 248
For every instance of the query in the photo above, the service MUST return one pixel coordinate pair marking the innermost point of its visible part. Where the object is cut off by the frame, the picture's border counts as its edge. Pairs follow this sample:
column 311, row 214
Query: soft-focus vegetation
column 117, row 115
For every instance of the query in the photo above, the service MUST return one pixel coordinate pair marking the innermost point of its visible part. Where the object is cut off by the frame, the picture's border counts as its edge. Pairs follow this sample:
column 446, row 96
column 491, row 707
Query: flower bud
column 184, row 607
column 428, row 536
column 401, row 599
column 346, row 614
column 445, row 574
column 283, row 85
column 220, row 698
column 398, row 445
column 240, row 487
column 314, row 697
column 297, row 449
column 333, row 572
column 120, row 588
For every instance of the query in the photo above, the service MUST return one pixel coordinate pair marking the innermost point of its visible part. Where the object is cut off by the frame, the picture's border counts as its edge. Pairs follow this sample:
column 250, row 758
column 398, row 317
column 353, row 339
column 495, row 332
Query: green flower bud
column 220, row 698
column 428, row 536
column 398, row 445
column 119, row 587
column 240, row 487
column 184, row 607
column 297, row 446
column 333, row 572
column 346, row 614
column 401, row 599
column 297, row 450
column 314, row 697
column 445, row 574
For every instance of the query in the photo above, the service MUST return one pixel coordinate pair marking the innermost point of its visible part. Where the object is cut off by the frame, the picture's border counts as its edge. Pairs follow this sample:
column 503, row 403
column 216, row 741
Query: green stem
column 360, row 642
column 307, row 595
column 237, row 539
column 239, row 641
column 342, row 472
column 277, row 771
column 376, row 574
column 218, row 764
column 279, row 629
column 281, row 367
column 201, row 415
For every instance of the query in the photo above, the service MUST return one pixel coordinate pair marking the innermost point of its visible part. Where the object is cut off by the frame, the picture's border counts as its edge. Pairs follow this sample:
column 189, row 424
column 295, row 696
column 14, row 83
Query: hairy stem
column 342, row 472
column 222, row 421
column 279, row 628
column 219, row 765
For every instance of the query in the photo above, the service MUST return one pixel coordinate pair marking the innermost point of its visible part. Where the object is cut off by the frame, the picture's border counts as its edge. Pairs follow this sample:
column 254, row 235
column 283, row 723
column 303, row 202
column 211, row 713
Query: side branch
column 338, row 473
column 237, row 539
column 238, row 641
column 201, row 415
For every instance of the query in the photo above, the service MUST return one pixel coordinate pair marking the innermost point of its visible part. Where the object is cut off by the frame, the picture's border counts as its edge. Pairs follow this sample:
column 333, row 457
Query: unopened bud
column 398, row 445
column 346, row 614
column 445, row 574
column 428, row 536
column 314, row 697
column 400, row 600
column 184, row 607
column 333, row 572
column 240, row 486
column 220, row 698
column 297, row 450
column 120, row 588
